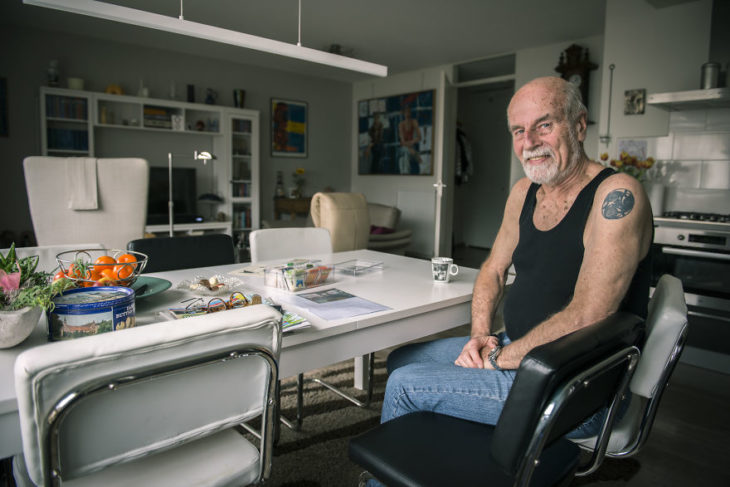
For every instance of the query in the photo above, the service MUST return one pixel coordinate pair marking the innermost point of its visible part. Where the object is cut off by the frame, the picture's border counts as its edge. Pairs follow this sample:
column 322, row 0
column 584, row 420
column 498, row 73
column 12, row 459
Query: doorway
column 481, row 192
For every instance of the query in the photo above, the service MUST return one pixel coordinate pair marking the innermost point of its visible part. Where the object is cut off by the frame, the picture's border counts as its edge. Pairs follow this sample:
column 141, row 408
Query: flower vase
column 17, row 325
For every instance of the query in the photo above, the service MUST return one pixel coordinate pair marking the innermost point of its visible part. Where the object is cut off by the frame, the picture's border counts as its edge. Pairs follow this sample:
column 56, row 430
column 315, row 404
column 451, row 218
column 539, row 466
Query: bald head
column 556, row 92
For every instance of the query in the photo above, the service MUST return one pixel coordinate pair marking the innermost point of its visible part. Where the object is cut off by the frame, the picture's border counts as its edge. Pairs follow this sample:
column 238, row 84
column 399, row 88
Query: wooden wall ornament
column 574, row 66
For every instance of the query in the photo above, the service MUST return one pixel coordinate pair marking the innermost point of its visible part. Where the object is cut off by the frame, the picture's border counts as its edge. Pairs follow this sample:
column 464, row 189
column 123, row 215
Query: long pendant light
column 181, row 26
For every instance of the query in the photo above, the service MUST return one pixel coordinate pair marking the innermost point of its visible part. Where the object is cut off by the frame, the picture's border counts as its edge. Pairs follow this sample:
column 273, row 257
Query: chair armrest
column 546, row 366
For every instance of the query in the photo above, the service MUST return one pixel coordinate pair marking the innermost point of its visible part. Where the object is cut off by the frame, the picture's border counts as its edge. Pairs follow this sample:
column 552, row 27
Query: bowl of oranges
column 101, row 267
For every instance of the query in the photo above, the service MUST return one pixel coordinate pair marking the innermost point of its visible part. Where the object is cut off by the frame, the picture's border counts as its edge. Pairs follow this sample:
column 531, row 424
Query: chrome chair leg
column 297, row 424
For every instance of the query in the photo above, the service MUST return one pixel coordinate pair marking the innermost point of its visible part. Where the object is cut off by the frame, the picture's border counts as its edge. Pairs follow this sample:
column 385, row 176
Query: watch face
column 576, row 79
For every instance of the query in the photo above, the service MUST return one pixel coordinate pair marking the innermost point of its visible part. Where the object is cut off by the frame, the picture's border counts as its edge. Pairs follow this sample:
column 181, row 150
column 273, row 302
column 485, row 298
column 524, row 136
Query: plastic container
column 90, row 311
column 298, row 275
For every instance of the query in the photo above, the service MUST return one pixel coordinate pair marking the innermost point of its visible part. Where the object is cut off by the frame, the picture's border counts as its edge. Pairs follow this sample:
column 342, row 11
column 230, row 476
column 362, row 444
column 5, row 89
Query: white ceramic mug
column 443, row 268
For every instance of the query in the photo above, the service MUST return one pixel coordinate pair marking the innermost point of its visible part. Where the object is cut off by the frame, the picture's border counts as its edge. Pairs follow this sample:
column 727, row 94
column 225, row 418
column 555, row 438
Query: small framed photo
column 288, row 128
column 634, row 102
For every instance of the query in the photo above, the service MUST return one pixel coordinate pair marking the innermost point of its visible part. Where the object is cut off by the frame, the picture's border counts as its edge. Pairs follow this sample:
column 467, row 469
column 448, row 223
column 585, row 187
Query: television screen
column 184, row 196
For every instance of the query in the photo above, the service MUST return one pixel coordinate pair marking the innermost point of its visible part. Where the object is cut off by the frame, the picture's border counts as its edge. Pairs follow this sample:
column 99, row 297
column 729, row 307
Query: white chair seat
column 225, row 456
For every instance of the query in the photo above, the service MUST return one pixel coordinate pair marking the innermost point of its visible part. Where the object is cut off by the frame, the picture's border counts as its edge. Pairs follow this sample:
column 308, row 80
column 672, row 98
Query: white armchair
column 385, row 235
column 73, row 202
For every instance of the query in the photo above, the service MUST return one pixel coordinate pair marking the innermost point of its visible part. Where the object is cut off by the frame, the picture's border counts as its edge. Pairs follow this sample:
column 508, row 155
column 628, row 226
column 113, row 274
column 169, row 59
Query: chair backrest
column 666, row 332
column 121, row 195
column 90, row 403
column 47, row 253
column 560, row 384
column 285, row 243
column 186, row 252
column 346, row 217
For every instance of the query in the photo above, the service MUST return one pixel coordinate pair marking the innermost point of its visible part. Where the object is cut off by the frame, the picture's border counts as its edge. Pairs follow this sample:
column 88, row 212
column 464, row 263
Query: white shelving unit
column 242, row 146
column 82, row 123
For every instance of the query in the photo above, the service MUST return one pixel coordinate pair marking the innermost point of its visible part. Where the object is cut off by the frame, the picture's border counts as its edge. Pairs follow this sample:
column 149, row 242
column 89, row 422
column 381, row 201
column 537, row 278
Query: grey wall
column 24, row 60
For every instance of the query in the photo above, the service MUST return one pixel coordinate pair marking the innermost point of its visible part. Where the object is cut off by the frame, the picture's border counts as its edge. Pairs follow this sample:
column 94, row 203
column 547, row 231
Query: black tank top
column 547, row 265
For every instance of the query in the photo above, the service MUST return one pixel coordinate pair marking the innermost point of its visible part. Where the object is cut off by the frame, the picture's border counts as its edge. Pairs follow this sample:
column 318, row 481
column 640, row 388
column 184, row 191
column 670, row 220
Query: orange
column 123, row 271
column 105, row 259
column 108, row 273
column 125, row 258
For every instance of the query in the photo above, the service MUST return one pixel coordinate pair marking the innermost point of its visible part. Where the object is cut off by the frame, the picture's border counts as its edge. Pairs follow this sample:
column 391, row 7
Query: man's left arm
column 617, row 236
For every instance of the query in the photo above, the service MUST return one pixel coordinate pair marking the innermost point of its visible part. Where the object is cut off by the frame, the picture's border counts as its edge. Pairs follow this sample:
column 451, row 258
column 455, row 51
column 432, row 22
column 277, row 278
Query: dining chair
column 160, row 404
column 666, row 333
column 558, row 385
column 184, row 252
column 346, row 217
column 47, row 253
column 286, row 243
column 77, row 199
column 289, row 242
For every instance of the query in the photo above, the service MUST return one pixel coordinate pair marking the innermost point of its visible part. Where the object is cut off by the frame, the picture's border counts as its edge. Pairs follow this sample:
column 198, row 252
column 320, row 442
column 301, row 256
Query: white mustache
column 528, row 154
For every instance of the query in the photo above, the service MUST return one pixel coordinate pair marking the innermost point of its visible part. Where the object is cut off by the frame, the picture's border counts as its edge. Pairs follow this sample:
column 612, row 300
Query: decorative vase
column 17, row 325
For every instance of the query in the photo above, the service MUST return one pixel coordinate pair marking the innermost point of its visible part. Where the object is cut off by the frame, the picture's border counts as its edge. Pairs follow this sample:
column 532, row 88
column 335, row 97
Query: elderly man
column 578, row 235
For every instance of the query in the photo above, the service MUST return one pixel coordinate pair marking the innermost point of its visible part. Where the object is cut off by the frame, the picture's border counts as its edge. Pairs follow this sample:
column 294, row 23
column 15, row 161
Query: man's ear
column 581, row 126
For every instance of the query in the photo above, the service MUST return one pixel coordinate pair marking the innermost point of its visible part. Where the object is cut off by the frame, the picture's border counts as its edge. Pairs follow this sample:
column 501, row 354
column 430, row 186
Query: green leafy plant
column 21, row 285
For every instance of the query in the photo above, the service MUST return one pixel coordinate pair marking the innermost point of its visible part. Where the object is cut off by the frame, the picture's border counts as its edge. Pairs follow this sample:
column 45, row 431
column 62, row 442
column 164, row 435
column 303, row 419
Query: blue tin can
column 90, row 311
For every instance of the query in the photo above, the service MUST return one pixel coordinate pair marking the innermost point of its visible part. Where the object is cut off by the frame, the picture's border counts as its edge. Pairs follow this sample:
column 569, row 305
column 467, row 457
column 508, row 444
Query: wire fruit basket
column 101, row 267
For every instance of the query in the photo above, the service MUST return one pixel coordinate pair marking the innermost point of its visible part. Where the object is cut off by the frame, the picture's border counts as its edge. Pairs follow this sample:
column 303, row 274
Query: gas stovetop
column 696, row 216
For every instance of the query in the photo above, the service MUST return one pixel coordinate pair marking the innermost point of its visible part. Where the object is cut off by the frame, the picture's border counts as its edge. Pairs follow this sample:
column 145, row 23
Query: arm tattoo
column 618, row 204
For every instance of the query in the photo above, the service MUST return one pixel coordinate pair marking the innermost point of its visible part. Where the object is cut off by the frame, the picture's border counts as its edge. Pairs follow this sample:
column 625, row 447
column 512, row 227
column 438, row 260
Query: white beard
column 549, row 173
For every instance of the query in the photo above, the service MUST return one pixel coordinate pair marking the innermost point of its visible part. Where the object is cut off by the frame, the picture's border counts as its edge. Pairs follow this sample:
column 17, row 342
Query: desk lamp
column 204, row 156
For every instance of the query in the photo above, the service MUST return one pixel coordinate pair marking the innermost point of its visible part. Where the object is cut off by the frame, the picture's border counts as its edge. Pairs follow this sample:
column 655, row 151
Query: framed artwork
column 395, row 134
column 3, row 107
column 634, row 102
column 288, row 128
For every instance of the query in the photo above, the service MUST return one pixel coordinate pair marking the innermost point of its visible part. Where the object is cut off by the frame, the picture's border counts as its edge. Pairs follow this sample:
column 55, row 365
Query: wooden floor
column 689, row 444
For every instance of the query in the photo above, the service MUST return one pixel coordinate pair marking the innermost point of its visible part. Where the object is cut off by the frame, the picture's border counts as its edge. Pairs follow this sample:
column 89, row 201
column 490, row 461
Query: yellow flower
column 299, row 171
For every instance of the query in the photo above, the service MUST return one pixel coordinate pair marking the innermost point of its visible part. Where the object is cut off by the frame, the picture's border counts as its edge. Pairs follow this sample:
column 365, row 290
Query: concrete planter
column 16, row 326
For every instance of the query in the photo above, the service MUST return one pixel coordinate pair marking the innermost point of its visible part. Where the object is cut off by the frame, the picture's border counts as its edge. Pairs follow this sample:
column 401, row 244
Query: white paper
column 334, row 304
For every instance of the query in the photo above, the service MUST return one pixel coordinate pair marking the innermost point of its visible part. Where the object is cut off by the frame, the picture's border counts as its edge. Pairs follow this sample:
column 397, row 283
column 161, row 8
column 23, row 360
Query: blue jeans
column 423, row 377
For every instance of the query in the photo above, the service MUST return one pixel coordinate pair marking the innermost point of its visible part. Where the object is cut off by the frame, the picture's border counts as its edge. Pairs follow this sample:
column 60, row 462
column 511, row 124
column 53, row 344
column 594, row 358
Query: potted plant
column 24, row 294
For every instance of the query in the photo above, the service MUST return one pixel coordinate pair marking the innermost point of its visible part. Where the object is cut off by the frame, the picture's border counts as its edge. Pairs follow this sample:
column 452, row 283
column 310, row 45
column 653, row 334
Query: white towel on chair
column 81, row 188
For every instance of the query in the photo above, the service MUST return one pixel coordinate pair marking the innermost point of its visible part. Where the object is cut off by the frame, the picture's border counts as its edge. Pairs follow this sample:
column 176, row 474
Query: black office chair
column 172, row 253
column 558, row 386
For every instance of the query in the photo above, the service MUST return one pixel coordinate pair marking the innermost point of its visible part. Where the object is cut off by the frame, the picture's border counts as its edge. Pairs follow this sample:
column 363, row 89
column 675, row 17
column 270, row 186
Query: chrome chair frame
column 64, row 406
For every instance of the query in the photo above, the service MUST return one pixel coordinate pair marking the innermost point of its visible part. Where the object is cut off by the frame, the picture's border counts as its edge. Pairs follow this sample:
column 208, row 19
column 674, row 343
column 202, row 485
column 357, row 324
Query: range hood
column 691, row 100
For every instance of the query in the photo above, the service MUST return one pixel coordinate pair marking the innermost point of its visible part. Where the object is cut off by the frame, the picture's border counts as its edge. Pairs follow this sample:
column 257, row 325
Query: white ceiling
column 402, row 34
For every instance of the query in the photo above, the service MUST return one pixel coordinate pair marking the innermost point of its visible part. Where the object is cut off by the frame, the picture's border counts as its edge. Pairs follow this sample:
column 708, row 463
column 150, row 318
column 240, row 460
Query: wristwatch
column 493, row 354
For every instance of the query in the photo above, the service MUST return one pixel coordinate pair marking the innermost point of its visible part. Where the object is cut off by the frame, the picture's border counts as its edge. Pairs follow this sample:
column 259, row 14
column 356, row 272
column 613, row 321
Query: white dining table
column 416, row 307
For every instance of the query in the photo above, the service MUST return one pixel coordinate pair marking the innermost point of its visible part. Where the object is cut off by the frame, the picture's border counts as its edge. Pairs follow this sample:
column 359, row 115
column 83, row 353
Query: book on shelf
column 243, row 126
column 241, row 189
column 242, row 218
column 66, row 107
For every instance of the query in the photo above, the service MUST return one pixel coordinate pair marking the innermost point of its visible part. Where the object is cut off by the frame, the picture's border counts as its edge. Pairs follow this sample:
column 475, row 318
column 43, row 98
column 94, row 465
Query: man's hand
column 471, row 354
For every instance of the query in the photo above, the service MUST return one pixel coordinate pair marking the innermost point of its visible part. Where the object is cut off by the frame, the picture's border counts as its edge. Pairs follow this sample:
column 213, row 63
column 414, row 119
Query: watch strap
column 493, row 354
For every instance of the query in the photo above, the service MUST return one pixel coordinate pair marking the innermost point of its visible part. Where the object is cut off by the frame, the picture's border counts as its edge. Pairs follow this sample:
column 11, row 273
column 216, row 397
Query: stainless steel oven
column 695, row 247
